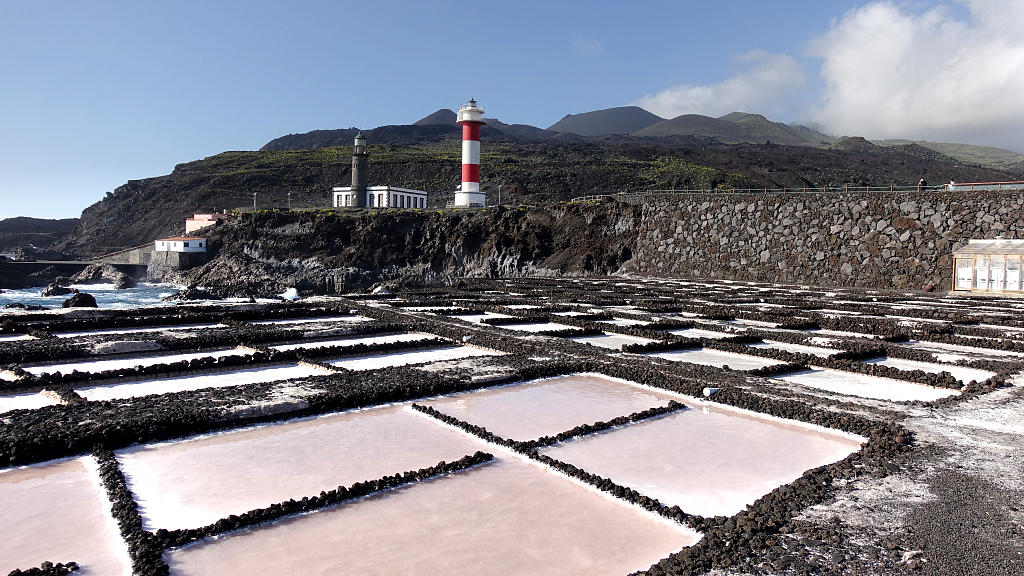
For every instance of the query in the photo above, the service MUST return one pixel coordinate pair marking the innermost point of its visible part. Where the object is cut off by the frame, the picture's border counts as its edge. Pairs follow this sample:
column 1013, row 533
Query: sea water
column 107, row 296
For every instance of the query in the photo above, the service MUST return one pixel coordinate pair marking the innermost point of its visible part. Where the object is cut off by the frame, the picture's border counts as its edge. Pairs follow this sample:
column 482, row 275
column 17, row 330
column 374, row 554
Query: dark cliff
column 327, row 252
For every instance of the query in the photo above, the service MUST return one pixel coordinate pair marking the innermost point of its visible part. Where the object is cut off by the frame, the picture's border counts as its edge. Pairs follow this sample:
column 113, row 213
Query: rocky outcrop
column 56, row 288
column 332, row 253
column 103, row 274
column 191, row 293
column 80, row 300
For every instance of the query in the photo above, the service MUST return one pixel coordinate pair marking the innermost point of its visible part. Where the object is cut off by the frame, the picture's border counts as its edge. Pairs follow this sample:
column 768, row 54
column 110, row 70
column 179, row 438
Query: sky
column 94, row 93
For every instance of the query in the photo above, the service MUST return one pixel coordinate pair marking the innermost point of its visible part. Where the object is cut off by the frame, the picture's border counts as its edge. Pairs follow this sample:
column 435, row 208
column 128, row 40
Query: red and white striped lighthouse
column 471, row 118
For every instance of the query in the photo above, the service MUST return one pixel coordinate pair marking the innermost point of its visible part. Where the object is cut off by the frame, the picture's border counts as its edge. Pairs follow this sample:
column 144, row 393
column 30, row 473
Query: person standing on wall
column 922, row 184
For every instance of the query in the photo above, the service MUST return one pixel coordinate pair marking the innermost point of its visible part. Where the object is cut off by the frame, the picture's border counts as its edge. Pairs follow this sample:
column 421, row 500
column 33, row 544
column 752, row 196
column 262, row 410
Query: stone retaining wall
column 877, row 240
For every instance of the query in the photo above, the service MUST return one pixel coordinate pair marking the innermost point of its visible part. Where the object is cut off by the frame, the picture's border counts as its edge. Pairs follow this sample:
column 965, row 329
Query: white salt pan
column 367, row 340
column 708, row 463
column 613, row 341
column 699, row 333
column 718, row 358
column 955, row 352
column 867, row 386
column 477, row 318
column 26, row 401
column 311, row 320
column 796, row 348
column 117, row 363
column 181, row 384
column 195, row 482
column 625, row 322
column 57, row 512
column 841, row 333
column 504, row 517
column 110, row 331
column 538, row 327
column 411, row 357
column 961, row 373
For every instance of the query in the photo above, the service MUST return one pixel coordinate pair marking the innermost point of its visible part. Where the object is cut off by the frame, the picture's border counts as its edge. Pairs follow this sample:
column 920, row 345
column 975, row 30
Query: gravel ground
column 953, row 506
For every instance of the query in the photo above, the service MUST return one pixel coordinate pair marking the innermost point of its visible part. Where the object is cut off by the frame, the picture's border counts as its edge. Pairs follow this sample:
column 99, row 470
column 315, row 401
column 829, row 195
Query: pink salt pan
column 503, row 517
column 709, row 464
column 57, row 512
column 549, row 406
column 192, row 483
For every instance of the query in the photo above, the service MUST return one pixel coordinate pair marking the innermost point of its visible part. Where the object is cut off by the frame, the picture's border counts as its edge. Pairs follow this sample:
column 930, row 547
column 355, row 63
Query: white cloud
column 584, row 45
column 891, row 72
column 763, row 83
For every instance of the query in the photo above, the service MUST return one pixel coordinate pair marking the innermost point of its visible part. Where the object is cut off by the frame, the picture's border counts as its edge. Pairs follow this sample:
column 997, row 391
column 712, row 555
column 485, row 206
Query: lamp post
column 289, row 200
column 499, row 194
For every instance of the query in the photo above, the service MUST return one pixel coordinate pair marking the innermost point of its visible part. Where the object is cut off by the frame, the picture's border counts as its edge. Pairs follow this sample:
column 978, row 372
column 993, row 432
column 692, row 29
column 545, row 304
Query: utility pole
column 289, row 200
column 499, row 194
column 253, row 200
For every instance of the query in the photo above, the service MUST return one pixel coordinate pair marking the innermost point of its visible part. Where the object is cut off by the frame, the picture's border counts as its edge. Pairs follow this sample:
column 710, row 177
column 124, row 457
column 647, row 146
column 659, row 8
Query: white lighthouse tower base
column 470, row 198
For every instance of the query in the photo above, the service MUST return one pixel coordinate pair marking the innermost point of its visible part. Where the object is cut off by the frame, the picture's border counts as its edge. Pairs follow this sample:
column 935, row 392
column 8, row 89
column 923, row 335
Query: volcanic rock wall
column 876, row 240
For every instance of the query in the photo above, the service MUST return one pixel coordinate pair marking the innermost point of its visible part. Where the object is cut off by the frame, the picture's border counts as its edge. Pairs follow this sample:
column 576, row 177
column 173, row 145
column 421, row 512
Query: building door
column 1013, row 272
column 962, row 274
column 981, row 273
column 997, row 273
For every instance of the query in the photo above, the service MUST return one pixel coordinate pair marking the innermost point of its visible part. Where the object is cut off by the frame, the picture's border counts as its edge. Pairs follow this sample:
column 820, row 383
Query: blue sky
column 94, row 93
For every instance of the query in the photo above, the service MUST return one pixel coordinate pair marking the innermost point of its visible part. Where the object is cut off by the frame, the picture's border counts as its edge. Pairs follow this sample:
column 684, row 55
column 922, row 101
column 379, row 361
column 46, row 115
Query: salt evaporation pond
column 309, row 320
column 537, row 327
column 961, row 373
column 478, row 318
column 546, row 407
column 57, row 512
column 374, row 361
column 755, row 323
column 955, row 352
column 119, row 363
column 699, row 333
column 840, row 333
column 865, row 386
column 503, row 517
column 796, row 348
column 209, row 326
column 709, row 463
column 26, row 401
column 195, row 482
column 625, row 322
column 717, row 358
column 365, row 340
column 198, row 382
column 613, row 341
